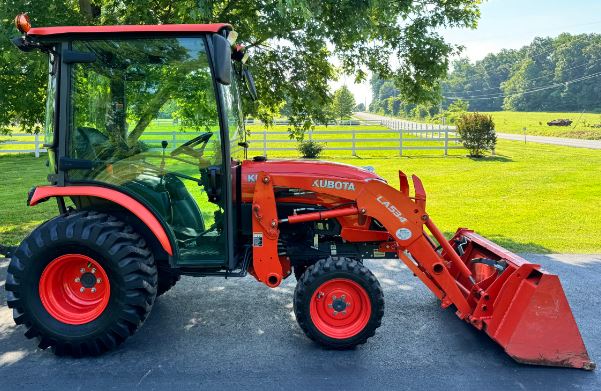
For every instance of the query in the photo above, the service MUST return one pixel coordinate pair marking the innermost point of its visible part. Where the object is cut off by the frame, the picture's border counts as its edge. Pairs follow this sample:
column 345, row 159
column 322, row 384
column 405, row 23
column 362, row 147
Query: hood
column 310, row 168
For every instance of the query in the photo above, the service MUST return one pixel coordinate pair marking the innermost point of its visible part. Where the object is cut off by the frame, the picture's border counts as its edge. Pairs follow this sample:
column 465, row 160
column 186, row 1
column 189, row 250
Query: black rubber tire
column 121, row 252
column 327, row 269
column 167, row 280
column 299, row 271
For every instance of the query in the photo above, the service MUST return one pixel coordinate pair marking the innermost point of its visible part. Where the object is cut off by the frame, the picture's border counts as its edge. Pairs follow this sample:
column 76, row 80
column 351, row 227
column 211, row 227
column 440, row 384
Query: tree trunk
column 159, row 99
column 88, row 9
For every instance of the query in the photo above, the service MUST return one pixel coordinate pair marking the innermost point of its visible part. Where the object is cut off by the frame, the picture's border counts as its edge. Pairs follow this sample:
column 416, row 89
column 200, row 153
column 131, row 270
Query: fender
column 42, row 193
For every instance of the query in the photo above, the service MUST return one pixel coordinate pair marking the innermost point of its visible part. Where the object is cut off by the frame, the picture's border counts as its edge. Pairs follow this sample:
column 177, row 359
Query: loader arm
column 520, row 306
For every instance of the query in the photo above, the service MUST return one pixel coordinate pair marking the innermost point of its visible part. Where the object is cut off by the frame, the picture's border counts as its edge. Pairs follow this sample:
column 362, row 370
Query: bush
column 477, row 132
column 310, row 149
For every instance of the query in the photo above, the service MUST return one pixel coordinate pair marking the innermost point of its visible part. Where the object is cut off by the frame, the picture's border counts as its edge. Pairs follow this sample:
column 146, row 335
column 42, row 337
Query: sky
column 510, row 24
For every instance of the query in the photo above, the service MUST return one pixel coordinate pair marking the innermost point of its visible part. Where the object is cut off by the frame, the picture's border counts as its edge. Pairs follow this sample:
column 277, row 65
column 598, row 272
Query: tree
column 549, row 74
column 344, row 103
column 456, row 110
column 360, row 107
column 291, row 42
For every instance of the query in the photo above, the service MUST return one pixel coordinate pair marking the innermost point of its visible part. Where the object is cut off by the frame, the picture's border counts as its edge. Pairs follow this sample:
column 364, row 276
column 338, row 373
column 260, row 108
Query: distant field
column 536, row 124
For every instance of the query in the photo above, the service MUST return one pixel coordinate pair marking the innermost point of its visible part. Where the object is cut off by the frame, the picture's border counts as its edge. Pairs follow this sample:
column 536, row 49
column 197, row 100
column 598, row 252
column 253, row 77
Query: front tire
column 81, row 283
column 338, row 303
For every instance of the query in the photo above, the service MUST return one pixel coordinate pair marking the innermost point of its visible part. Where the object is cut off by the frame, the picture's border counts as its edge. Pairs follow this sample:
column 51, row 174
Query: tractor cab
column 153, row 112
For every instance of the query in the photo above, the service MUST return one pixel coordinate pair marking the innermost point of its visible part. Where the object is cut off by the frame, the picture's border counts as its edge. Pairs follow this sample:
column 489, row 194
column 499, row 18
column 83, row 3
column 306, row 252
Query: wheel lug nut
column 76, row 279
column 329, row 305
column 82, row 289
column 333, row 297
column 93, row 290
column 343, row 297
column 82, row 270
column 93, row 270
column 335, row 312
column 98, row 280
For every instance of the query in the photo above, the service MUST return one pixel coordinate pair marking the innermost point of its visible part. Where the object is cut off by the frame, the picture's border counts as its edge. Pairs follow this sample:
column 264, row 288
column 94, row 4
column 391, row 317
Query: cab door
column 145, row 117
column 236, row 136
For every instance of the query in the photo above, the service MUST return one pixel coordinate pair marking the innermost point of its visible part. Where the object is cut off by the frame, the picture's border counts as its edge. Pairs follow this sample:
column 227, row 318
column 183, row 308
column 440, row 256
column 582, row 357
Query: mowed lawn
column 583, row 125
column 528, row 198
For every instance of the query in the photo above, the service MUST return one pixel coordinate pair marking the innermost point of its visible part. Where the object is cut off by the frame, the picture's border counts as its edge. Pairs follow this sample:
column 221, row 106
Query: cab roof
column 140, row 29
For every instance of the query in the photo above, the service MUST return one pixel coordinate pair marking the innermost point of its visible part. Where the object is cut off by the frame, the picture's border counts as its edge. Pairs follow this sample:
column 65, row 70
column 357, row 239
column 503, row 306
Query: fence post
column 37, row 145
column 265, row 142
column 174, row 140
column 446, row 142
column 400, row 142
column 354, row 138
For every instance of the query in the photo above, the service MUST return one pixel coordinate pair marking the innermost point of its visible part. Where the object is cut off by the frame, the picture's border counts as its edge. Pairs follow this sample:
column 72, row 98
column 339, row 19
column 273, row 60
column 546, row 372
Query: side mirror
column 222, row 59
column 250, row 83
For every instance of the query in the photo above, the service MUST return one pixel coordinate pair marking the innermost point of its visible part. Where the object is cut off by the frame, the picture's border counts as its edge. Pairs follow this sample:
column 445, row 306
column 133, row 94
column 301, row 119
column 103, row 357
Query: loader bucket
column 519, row 305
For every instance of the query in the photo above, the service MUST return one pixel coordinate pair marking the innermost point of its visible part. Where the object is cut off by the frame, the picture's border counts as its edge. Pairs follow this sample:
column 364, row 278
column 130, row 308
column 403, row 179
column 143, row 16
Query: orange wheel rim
column 340, row 308
column 74, row 289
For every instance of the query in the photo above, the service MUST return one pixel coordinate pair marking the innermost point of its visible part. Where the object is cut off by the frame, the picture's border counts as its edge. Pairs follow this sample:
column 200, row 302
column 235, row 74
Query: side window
column 137, row 94
column 51, row 101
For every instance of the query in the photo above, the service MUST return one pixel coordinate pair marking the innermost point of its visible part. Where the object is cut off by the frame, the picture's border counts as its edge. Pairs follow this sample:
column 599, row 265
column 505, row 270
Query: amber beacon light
column 22, row 23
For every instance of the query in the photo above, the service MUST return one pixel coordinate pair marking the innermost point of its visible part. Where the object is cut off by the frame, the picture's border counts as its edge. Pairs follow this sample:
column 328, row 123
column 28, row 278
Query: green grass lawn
column 529, row 198
column 536, row 124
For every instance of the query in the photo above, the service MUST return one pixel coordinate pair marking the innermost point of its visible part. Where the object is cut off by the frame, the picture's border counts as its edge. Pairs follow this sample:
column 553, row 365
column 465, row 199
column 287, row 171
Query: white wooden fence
column 399, row 140
column 399, row 136
column 34, row 141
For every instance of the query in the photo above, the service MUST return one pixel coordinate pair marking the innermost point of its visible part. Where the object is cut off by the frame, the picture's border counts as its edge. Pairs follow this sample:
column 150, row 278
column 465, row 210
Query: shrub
column 310, row 149
column 477, row 132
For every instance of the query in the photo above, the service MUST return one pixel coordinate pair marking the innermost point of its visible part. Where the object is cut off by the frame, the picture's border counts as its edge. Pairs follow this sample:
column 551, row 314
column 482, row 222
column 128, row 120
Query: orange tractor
column 147, row 154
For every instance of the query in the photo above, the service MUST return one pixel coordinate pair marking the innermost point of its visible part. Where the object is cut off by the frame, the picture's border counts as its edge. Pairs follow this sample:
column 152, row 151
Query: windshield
column 235, row 118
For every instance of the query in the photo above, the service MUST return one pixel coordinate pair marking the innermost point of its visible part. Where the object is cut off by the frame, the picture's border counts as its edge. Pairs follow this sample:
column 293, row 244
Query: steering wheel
column 188, row 147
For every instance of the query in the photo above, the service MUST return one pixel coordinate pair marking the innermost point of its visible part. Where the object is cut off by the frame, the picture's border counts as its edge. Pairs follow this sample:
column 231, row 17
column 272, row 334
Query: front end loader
column 139, row 206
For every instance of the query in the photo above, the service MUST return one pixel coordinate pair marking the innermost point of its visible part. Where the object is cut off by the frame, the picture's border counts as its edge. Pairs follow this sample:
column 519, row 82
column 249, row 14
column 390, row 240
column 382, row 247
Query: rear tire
column 57, row 289
column 338, row 303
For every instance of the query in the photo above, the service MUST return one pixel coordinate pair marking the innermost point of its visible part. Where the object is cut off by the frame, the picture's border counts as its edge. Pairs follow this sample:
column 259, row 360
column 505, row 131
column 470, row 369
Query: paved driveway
column 564, row 141
column 224, row 334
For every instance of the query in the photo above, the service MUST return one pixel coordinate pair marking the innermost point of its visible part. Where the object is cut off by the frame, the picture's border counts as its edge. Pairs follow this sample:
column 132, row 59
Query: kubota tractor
column 146, row 147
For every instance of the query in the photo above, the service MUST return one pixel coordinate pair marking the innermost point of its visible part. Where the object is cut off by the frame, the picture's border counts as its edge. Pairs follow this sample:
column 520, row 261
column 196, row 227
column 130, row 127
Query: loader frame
column 515, row 302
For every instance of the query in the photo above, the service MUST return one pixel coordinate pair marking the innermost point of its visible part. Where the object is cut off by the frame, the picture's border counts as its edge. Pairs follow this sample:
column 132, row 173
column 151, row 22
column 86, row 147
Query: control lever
column 164, row 145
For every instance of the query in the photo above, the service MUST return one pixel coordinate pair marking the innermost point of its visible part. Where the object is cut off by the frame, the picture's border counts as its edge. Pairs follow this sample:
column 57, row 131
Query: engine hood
column 309, row 168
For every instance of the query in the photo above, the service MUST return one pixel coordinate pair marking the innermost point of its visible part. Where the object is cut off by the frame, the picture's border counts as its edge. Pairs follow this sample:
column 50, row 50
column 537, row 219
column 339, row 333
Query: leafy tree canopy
column 292, row 42
column 549, row 74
